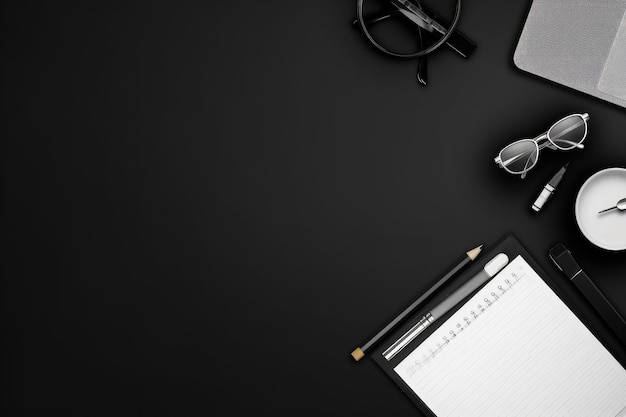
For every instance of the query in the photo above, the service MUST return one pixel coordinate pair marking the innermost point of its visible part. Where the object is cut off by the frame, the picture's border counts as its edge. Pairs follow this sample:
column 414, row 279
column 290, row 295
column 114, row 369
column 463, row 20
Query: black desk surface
column 206, row 206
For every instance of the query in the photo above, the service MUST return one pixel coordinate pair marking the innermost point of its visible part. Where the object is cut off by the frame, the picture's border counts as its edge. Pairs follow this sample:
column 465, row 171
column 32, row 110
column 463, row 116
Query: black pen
column 489, row 271
column 549, row 188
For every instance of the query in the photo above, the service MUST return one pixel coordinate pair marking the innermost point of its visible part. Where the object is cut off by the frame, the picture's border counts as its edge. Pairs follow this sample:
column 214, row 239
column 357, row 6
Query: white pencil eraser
column 496, row 264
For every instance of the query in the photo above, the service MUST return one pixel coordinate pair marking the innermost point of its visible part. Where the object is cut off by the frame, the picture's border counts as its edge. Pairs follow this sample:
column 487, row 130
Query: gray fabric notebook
column 580, row 44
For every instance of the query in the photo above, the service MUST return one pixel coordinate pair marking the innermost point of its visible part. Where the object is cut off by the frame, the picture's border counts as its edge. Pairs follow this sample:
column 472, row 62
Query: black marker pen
column 563, row 259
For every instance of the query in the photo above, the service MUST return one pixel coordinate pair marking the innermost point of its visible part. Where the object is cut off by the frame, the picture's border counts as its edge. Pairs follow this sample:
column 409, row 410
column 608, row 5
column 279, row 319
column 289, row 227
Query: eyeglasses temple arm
column 458, row 42
column 378, row 19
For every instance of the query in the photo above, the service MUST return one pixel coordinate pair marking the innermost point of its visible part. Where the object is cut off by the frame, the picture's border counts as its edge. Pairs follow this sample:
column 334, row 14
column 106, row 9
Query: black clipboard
column 512, row 248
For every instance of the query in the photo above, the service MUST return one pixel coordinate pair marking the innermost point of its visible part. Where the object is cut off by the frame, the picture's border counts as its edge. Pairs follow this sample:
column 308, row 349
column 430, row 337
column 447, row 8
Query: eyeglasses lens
column 567, row 133
column 519, row 156
column 394, row 32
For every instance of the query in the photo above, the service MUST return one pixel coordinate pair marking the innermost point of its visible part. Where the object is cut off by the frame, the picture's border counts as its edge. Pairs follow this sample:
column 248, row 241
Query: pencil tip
column 474, row 252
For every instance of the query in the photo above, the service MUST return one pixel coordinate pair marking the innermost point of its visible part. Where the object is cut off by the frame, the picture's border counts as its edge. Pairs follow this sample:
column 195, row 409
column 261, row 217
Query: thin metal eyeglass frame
column 539, row 145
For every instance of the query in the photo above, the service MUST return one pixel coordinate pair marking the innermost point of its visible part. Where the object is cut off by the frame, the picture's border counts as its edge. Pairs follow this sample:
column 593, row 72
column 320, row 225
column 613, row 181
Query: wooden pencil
column 468, row 257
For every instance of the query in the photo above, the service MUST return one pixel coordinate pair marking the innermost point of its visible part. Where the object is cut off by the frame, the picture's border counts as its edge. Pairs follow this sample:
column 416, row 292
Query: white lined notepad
column 515, row 349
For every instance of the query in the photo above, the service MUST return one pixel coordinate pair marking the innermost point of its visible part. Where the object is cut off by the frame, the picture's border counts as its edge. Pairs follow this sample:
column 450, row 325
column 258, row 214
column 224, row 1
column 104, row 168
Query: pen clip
column 555, row 262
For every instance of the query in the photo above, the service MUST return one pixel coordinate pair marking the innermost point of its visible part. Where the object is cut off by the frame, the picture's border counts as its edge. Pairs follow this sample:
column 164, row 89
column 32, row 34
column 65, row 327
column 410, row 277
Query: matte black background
column 206, row 206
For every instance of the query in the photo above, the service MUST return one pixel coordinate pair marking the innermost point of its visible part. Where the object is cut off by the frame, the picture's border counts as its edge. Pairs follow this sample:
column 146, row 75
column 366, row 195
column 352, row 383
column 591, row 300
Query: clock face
column 601, row 191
